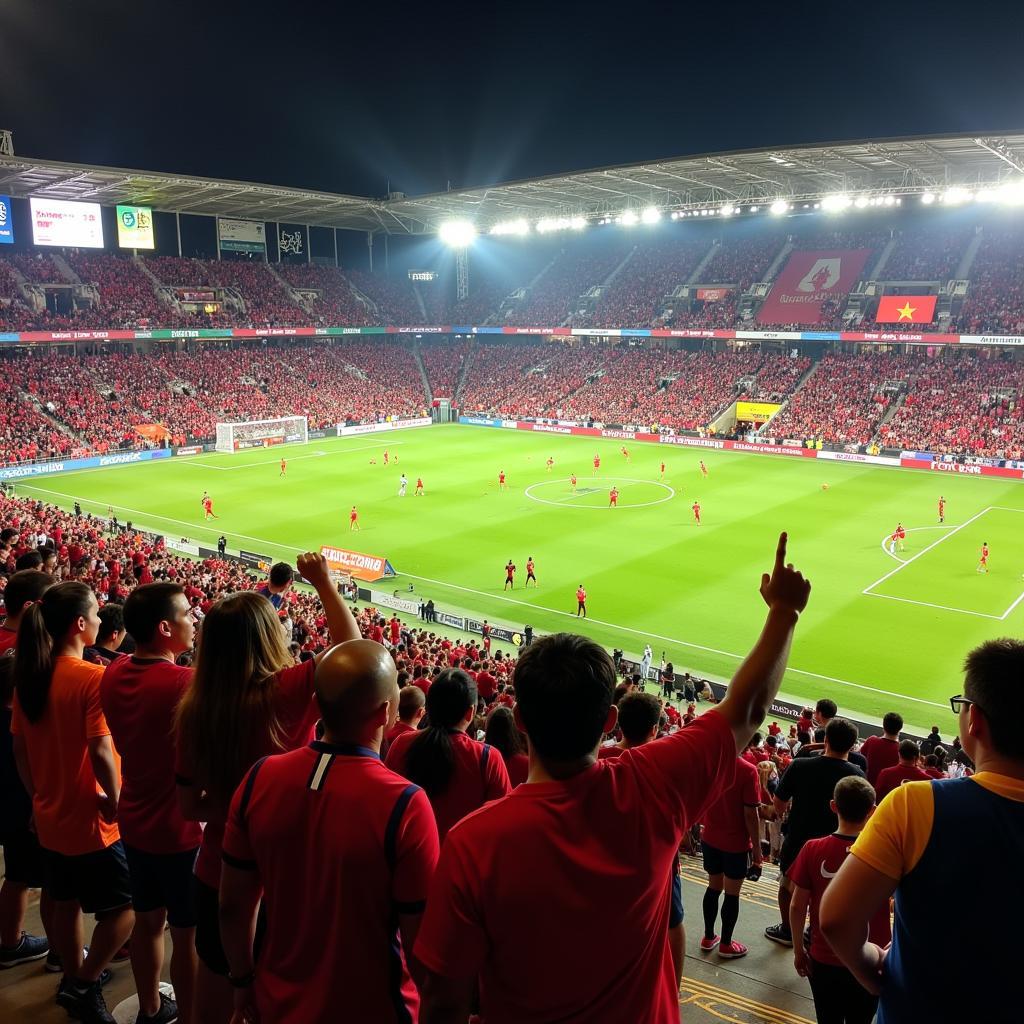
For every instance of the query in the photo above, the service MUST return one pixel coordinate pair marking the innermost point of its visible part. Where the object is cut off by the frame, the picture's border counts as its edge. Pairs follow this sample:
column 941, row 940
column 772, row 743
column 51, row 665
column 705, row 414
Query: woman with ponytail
column 67, row 763
column 247, row 699
column 457, row 773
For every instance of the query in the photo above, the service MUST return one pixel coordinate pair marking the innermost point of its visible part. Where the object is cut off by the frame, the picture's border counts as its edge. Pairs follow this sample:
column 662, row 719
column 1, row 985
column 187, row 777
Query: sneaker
column 706, row 945
column 84, row 1003
column 732, row 950
column 121, row 955
column 29, row 948
column 166, row 1014
column 53, row 962
column 105, row 975
column 779, row 933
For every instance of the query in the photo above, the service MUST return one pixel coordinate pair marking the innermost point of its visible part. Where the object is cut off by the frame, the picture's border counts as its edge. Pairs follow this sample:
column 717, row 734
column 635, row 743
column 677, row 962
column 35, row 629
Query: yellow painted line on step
column 729, row 1006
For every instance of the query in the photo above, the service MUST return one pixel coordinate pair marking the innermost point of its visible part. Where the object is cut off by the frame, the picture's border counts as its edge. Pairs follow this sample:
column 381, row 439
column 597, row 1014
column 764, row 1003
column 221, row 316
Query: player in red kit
column 901, row 536
column 662, row 471
column 501, row 481
column 696, row 512
column 208, row 507
column 597, row 464
column 625, row 453
column 530, row 575
column 581, row 602
column 386, row 456
column 353, row 520
column 550, row 463
column 703, row 469
column 942, row 509
column 419, row 487
column 983, row 560
column 510, row 575
column 613, row 498
column 572, row 482
column 284, row 466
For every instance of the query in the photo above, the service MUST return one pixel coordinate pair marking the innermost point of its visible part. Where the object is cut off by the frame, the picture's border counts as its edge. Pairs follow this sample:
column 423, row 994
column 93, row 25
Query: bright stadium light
column 651, row 215
column 1012, row 193
column 836, row 203
column 860, row 202
column 928, row 198
column 511, row 227
column 628, row 218
column 459, row 234
column 955, row 195
column 779, row 207
column 577, row 223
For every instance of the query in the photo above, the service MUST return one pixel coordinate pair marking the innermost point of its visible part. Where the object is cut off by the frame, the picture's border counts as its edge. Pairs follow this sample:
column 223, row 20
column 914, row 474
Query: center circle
column 592, row 492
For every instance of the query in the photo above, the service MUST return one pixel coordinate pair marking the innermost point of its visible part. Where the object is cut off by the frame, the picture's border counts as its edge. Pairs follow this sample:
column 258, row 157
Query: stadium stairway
column 963, row 270
column 466, row 364
column 708, row 257
column 427, row 389
column 65, row 268
column 883, row 258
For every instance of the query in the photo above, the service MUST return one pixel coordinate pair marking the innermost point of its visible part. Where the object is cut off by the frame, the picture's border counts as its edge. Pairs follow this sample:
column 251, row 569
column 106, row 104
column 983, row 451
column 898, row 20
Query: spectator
column 638, row 720
column 502, row 733
column 931, row 741
column 925, row 834
column 906, row 770
column 110, row 636
column 731, row 844
column 246, row 699
column 412, row 705
column 140, row 695
column 838, row 996
column 457, row 773
column 65, row 757
column 326, row 833
column 537, row 875
column 883, row 751
column 805, row 791
column 279, row 582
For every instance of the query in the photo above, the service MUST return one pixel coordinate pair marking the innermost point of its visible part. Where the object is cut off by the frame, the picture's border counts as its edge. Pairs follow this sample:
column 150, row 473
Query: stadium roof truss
column 795, row 174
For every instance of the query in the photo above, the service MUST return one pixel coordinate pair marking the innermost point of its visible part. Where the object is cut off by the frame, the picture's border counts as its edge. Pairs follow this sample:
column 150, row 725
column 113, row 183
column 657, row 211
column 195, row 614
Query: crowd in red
column 336, row 302
column 443, row 364
column 995, row 299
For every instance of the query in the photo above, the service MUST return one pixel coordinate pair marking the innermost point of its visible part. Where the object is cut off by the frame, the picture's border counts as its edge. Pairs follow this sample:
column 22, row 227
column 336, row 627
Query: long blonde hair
column 227, row 715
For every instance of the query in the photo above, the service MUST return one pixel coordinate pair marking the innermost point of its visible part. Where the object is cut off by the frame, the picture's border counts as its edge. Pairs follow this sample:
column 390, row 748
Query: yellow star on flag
column 906, row 312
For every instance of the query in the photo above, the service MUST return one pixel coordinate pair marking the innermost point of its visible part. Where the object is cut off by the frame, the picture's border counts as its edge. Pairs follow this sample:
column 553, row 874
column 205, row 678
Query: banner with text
column 756, row 412
column 356, row 564
column 807, row 280
column 241, row 235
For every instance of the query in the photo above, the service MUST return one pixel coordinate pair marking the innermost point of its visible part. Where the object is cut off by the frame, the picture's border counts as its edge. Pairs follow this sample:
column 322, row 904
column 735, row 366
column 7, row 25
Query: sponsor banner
column 991, row 339
column 691, row 442
column 874, row 460
column 549, row 428
column 399, row 604
column 92, row 462
column 712, row 294
column 135, row 228
column 625, row 435
column 373, row 428
column 769, row 449
column 315, row 435
column 900, row 338
column 684, row 332
column 357, row 563
column 480, row 421
column 58, row 222
column 255, row 560
column 190, row 295
column 597, row 332
column 792, row 442
column 771, row 335
column 961, row 469
column 6, row 221
column 807, row 280
column 183, row 546
column 419, row 330
column 906, row 309
column 479, row 330
column 923, row 456
column 508, row 636
column 447, row 619
column 241, row 235
column 510, row 424
column 195, row 449
column 756, row 412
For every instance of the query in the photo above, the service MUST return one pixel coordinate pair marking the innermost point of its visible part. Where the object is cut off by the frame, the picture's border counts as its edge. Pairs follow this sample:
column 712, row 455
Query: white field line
column 940, row 607
column 195, row 462
column 1011, row 608
column 912, row 529
column 509, row 600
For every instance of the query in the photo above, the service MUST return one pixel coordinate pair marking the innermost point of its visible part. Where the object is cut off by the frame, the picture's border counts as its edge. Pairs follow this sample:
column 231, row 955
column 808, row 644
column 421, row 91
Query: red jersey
column 984, row 553
column 725, row 825
column 663, row 467
column 529, row 567
column 613, row 496
column 207, row 504
column 572, row 479
column 479, row 776
column 880, row 753
column 581, row 595
column 510, row 570
column 356, row 843
column 613, row 751
column 942, row 507
column 140, row 697
column 419, row 483
column 816, row 865
column 501, row 478
column 8, row 639
column 283, row 463
column 696, row 511
column 385, row 458
column 485, row 901
column 597, row 461
column 894, row 777
column 518, row 768
column 353, row 515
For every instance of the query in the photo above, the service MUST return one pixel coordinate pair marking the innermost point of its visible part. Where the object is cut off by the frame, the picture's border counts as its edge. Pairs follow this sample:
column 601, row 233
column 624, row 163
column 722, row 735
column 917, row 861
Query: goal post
column 232, row 437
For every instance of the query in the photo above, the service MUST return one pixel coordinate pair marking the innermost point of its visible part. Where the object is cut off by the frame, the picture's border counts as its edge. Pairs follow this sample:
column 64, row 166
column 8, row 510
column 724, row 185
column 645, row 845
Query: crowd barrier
column 92, row 462
column 790, row 448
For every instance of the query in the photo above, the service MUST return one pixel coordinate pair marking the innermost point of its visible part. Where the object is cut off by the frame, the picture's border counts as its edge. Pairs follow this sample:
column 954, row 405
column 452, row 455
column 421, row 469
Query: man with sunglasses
column 946, row 847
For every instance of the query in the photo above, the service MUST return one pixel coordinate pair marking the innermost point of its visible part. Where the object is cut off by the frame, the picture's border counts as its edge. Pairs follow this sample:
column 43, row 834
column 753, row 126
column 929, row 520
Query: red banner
column 712, row 294
column 807, row 280
column 906, row 309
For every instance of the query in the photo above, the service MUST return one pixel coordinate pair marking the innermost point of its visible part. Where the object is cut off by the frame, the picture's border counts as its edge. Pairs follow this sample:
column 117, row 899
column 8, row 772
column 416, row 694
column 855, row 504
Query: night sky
column 347, row 96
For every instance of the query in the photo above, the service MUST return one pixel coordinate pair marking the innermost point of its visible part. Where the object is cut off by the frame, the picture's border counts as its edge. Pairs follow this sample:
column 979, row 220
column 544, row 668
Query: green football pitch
column 883, row 631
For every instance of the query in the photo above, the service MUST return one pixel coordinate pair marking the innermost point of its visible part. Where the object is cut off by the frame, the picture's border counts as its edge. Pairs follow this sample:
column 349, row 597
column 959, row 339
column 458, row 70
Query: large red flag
column 807, row 280
column 906, row 309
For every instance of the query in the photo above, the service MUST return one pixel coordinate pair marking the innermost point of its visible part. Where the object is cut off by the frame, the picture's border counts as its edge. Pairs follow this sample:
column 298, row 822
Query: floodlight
column 511, row 227
column 754, row 209
column 928, row 198
column 836, row 202
column 457, row 233
column 860, row 202
column 889, row 200
column 726, row 211
column 629, row 218
column 577, row 223
column 779, row 207
column 651, row 215
column 1012, row 192
column 956, row 195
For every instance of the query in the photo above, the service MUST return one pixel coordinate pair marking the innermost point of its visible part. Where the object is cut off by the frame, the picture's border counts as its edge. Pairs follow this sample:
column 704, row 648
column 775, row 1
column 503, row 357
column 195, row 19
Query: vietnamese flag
column 906, row 309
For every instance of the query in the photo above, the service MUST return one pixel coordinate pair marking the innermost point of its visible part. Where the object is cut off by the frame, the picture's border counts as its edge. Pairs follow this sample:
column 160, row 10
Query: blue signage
column 6, row 221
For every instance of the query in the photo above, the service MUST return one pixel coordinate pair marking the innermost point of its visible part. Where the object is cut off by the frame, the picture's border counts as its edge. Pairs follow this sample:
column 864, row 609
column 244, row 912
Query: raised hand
column 312, row 566
column 785, row 587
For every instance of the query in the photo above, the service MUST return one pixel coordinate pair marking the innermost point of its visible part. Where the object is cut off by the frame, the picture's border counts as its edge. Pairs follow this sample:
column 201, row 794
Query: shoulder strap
column 395, row 819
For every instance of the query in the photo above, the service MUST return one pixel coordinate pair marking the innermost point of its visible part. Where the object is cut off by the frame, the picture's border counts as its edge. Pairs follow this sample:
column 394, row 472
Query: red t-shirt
column 297, row 712
column 354, row 846
column 518, row 768
column 8, row 639
column 613, row 751
column 725, row 825
column 815, row 866
column 881, row 753
column 525, row 883
column 398, row 729
column 479, row 776
column 139, row 699
column 485, row 684
column 894, row 777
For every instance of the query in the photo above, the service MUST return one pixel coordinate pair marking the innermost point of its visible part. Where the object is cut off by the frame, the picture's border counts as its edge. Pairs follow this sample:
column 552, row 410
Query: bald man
column 340, row 848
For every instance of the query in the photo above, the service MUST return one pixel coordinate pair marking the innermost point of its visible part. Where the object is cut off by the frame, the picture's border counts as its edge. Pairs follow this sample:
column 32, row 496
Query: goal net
column 231, row 437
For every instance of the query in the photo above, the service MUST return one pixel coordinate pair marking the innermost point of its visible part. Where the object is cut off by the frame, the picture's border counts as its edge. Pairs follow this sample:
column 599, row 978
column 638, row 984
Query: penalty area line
column 276, row 461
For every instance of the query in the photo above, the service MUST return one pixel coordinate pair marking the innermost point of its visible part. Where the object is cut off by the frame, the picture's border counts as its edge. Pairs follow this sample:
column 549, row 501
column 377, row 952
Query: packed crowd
column 931, row 256
column 403, row 786
column 336, row 303
column 443, row 363
column 995, row 298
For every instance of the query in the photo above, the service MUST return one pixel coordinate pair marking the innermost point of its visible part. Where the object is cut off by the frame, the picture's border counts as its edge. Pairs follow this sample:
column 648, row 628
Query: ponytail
column 43, row 625
column 430, row 761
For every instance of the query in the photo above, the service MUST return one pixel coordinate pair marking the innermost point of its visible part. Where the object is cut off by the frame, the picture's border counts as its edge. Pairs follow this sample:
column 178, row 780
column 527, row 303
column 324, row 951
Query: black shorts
column 676, row 913
column 791, row 847
column 98, row 880
column 208, row 944
column 721, row 862
column 163, row 881
column 23, row 859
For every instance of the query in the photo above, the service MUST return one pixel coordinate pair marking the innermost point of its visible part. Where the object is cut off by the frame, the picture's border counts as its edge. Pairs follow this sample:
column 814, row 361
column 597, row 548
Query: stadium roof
column 906, row 166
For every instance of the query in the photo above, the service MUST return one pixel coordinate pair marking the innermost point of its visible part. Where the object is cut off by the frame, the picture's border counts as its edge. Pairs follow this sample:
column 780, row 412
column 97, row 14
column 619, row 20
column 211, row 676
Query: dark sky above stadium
column 347, row 96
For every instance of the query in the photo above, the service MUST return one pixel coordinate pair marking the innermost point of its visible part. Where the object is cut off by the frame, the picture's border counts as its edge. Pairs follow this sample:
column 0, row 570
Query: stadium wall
column 790, row 449
column 71, row 465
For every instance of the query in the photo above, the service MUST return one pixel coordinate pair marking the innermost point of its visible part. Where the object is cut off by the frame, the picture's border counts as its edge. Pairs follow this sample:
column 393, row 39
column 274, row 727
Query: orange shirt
column 65, row 802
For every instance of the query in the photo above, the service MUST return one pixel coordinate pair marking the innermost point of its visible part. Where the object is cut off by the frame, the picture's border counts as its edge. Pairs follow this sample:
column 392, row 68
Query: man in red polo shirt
column 328, row 835
column 524, row 883
column 906, row 770
column 883, row 751
column 140, row 695
column 412, row 705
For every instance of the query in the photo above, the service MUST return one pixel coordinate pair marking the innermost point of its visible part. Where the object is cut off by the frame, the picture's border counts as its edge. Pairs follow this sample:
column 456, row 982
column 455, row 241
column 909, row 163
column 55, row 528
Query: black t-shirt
column 15, row 803
column 810, row 783
column 853, row 757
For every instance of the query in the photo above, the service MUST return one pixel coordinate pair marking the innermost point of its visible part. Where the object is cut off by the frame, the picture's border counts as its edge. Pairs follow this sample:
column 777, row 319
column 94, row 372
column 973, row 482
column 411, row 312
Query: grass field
column 881, row 631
